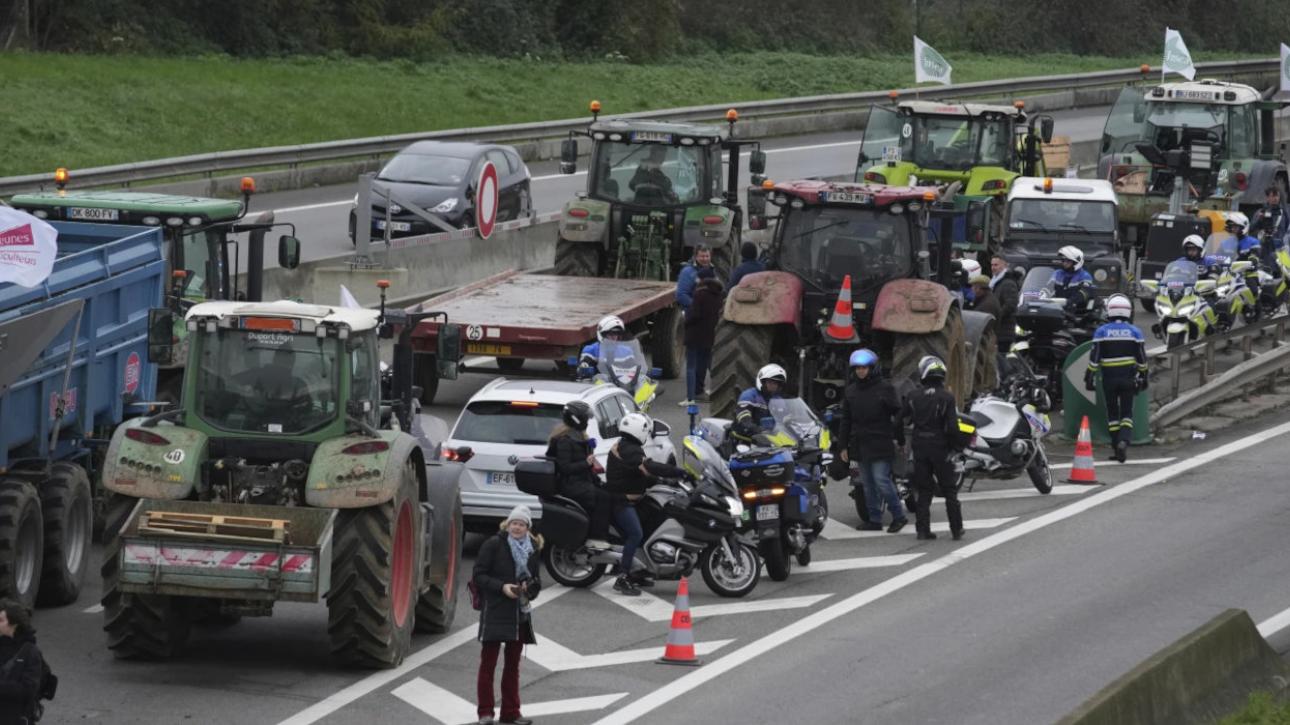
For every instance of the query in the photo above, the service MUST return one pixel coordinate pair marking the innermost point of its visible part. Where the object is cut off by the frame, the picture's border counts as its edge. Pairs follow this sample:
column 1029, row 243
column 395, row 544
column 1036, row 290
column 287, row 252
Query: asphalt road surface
column 1046, row 600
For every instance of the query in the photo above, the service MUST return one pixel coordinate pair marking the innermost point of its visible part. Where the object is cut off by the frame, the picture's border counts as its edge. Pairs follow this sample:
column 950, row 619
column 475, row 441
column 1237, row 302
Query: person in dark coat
column 700, row 332
column 934, row 419
column 749, row 264
column 508, row 574
column 983, row 300
column 21, row 666
column 871, row 430
column 576, row 468
column 1008, row 293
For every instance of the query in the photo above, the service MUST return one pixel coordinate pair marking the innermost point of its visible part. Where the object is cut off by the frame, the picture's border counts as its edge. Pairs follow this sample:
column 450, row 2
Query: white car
column 509, row 420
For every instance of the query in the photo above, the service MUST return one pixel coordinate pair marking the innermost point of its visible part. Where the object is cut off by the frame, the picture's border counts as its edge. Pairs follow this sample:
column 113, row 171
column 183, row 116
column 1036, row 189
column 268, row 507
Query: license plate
column 475, row 348
column 497, row 478
column 651, row 136
column 91, row 214
column 766, row 513
column 394, row 226
column 846, row 197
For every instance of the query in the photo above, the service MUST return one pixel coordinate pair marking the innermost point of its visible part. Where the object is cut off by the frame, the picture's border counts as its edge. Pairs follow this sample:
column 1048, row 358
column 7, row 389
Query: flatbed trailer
column 515, row 316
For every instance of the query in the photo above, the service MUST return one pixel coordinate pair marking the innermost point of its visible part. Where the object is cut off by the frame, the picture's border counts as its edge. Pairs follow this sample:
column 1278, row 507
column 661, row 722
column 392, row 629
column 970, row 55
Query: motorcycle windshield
column 621, row 363
column 1037, row 284
column 706, row 464
column 795, row 422
column 1221, row 248
column 1179, row 275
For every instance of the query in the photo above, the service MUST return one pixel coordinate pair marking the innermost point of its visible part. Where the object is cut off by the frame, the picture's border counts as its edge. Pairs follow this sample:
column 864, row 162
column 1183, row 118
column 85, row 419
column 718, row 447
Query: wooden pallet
column 1057, row 155
column 209, row 526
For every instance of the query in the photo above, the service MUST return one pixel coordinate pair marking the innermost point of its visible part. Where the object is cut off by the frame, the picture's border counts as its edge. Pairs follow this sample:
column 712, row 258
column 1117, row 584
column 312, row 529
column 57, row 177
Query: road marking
column 311, row 207
column 836, row 531
column 376, row 680
column 862, row 562
column 1131, row 462
column 1275, row 623
column 449, row 709
column 94, row 609
column 653, row 609
column 548, row 177
column 551, row 655
column 684, row 684
column 1028, row 492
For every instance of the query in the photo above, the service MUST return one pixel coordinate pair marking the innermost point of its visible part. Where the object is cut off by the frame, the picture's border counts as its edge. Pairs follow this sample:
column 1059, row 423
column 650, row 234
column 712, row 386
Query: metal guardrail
column 210, row 164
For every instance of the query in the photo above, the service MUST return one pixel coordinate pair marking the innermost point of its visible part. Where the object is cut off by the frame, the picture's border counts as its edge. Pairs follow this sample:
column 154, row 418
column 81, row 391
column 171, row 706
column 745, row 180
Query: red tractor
column 886, row 240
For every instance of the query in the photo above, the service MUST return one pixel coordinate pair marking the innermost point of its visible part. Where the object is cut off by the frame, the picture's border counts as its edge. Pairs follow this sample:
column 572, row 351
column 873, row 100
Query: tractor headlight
column 1100, row 275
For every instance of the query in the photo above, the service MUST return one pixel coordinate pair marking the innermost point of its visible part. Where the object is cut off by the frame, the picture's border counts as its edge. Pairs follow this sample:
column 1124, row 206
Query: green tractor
column 655, row 192
column 982, row 148
column 202, row 258
column 293, row 469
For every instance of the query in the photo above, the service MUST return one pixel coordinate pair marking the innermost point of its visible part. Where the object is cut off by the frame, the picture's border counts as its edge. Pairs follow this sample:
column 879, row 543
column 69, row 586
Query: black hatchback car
column 440, row 177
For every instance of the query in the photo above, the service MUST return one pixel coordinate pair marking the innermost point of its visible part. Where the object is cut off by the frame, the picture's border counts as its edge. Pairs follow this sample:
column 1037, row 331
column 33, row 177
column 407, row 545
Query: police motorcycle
column 687, row 524
column 1232, row 295
column 622, row 363
column 781, row 480
column 1048, row 332
column 1003, row 433
column 1274, row 263
column 1183, row 313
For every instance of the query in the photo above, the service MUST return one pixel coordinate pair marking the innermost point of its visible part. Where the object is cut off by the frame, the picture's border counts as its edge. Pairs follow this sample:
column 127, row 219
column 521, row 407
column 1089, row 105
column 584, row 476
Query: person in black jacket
column 871, row 430
column 935, row 420
column 577, row 469
column 1006, row 290
column 700, row 332
column 21, row 666
column 627, row 476
column 508, row 574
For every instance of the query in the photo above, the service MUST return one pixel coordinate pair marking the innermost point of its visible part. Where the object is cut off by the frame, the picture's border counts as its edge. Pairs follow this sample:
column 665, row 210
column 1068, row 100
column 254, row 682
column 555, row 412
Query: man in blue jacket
column 688, row 279
column 1119, row 353
column 749, row 264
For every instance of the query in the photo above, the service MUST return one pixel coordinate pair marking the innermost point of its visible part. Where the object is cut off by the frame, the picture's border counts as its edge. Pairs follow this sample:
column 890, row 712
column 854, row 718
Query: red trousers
column 510, row 679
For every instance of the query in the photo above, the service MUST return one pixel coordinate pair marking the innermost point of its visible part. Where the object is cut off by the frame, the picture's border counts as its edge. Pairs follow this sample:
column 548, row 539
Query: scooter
column 622, row 363
column 687, row 525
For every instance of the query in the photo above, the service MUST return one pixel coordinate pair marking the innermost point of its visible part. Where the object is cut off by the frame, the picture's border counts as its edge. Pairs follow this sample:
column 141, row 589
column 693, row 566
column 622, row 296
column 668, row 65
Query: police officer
column 754, row 403
column 935, row 421
column 1273, row 221
column 1193, row 250
column 1120, row 354
column 610, row 329
column 1072, row 282
column 1247, row 247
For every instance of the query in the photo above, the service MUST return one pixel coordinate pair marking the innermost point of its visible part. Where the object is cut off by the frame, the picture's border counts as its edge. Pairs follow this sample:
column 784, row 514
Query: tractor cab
column 1044, row 215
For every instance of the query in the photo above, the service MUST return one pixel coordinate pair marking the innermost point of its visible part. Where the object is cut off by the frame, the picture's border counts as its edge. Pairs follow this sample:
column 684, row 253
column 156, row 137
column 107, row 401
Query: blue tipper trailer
column 73, row 364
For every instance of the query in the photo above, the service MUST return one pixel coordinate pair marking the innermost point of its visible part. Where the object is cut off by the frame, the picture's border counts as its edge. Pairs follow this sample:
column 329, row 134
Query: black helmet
column 576, row 414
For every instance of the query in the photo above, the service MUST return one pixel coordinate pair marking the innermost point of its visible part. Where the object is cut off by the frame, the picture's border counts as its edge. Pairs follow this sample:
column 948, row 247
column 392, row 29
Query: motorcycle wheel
column 804, row 556
column 1040, row 474
column 719, row 574
column 1175, row 339
column 571, row 568
column 779, row 563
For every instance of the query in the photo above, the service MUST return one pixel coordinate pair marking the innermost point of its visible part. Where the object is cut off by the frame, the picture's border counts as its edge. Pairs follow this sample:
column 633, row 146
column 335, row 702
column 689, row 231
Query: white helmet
column 971, row 266
column 771, row 372
column 637, row 426
column 1240, row 221
column 1118, row 307
column 1193, row 240
column 1073, row 254
column 612, row 323
column 931, row 367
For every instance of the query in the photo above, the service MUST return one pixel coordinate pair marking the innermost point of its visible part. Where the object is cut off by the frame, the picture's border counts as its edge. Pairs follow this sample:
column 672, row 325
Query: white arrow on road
column 836, row 530
column 652, row 609
column 449, row 709
column 551, row 655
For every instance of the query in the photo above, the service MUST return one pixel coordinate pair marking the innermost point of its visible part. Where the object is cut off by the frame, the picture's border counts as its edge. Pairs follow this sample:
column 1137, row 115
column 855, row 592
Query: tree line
column 633, row 31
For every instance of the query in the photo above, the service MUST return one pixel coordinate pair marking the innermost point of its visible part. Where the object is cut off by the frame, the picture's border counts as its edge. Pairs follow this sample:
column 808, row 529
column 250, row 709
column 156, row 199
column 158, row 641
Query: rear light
column 366, row 448
column 1000, row 184
column 524, row 404
column 752, row 494
column 579, row 213
column 271, row 324
column 1240, row 181
column 875, row 177
column 459, row 455
column 146, row 436
column 713, row 219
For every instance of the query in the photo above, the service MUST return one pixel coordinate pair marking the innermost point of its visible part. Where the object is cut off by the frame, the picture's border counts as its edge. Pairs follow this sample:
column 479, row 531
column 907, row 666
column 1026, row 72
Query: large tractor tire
column 946, row 343
column 139, row 626
column 985, row 371
column 67, row 507
column 437, row 605
column 724, row 256
column 577, row 259
column 667, row 346
column 21, row 541
column 738, row 352
column 371, row 608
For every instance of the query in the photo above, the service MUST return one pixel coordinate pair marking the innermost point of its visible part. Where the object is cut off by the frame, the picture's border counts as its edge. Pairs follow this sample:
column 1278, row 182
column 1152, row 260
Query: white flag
column 1177, row 59
column 930, row 65
column 27, row 248
column 1285, row 68
column 347, row 299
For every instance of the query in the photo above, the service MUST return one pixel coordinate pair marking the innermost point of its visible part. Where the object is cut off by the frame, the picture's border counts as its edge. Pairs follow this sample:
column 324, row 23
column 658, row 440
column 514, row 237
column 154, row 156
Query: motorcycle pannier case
column 536, row 476
column 562, row 524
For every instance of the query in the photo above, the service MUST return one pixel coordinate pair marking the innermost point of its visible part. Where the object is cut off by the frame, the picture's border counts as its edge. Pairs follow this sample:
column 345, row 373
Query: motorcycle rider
column 1247, row 247
column 754, row 403
column 1273, row 219
column 1120, row 354
column 1072, row 282
column 935, row 420
column 872, row 431
column 576, row 468
column 610, row 328
column 628, row 474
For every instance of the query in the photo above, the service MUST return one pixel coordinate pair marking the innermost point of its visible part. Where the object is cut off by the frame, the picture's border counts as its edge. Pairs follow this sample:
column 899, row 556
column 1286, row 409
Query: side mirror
column 661, row 429
column 1046, row 129
column 470, row 192
column 161, row 335
column 756, row 208
column 1150, row 285
column 448, row 350
column 1204, row 286
column 568, row 156
column 288, row 252
column 757, row 162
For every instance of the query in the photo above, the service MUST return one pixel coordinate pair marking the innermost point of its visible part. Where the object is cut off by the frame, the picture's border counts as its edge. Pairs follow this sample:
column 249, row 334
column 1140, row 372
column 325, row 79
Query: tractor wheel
column 946, row 343
column 577, row 259
column 21, row 541
column 425, row 375
column 723, row 258
column 65, row 501
column 510, row 365
column 737, row 353
column 371, row 608
column 667, row 346
column 985, row 372
column 437, row 605
column 139, row 626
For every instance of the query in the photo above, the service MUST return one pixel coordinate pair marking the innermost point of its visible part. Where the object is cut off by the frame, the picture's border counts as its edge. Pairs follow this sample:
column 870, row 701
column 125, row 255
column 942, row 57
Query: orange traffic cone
column 841, row 327
column 680, row 638
column 1082, row 467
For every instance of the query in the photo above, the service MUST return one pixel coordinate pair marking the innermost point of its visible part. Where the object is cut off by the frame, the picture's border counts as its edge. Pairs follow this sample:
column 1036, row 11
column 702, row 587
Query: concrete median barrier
column 1203, row 676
